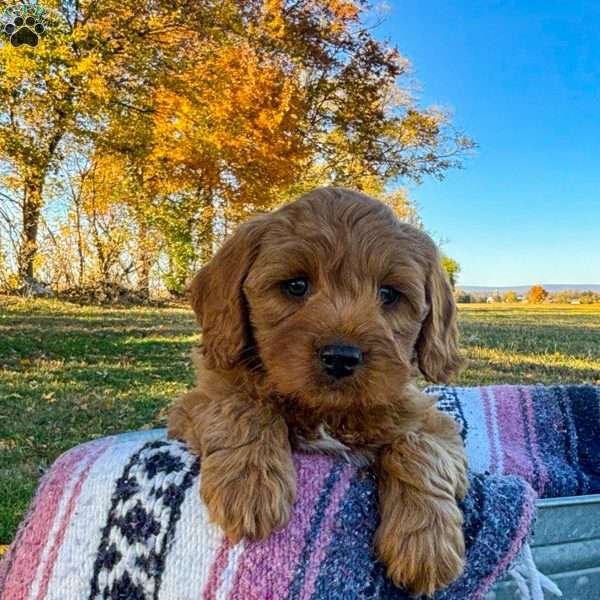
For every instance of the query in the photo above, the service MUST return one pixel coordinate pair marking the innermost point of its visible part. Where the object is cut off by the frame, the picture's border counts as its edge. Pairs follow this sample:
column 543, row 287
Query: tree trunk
column 206, row 230
column 144, row 261
column 32, row 206
column 79, row 241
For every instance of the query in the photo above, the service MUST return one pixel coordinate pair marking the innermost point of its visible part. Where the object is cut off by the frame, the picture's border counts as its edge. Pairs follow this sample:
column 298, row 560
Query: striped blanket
column 547, row 435
column 121, row 518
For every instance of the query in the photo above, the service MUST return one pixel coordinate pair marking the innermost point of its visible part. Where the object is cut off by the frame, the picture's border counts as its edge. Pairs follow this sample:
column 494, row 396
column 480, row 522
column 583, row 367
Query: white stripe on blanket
column 477, row 442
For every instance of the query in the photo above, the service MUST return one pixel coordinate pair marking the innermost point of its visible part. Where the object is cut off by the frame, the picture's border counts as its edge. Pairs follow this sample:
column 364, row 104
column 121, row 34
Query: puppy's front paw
column 423, row 561
column 251, row 502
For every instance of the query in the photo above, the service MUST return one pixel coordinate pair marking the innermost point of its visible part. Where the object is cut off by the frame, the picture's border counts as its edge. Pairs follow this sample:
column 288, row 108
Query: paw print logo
column 24, row 23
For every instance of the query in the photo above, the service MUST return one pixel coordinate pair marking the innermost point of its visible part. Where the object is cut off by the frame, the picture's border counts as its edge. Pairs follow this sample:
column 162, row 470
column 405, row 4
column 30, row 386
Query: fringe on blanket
column 530, row 582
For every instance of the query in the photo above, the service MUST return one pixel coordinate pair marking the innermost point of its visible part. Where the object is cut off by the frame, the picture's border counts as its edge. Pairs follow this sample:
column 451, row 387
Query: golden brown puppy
column 315, row 318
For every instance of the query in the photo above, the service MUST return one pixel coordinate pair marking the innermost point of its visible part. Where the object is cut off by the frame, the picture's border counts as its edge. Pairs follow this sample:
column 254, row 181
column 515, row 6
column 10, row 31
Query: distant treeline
column 535, row 295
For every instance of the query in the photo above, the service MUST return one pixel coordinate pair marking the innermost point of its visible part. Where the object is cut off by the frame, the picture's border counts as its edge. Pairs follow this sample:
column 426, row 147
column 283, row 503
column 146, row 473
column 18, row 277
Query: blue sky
column 523, row 79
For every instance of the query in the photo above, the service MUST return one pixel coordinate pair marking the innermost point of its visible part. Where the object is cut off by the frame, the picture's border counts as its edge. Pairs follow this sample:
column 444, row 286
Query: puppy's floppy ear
column 218, row 300
column 437, row 344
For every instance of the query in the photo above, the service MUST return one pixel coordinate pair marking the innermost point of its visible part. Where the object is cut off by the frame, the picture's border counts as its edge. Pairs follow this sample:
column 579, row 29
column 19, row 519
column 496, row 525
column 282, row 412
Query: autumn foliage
column 136, row 135
column 536, row 294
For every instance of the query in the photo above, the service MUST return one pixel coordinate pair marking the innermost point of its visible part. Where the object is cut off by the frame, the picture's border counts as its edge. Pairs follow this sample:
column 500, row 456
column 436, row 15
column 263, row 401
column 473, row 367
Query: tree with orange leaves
column 536, row 294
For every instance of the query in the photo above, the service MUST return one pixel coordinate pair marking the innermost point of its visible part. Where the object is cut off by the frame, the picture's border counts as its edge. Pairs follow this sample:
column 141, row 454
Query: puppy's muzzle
column 340, row 360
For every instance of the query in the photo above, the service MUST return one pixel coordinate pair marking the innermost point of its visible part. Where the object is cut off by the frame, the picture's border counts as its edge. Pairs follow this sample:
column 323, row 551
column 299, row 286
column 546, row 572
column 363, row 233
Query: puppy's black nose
column 340, row 361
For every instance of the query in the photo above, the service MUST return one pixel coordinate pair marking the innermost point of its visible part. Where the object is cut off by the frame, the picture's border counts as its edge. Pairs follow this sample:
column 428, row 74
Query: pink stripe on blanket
column 515, row 449
column 216, row 570
column 9, row 556
column 491, row 425
column 27, row 555
column 91, row 458
column 326, row 532
column 267, row 567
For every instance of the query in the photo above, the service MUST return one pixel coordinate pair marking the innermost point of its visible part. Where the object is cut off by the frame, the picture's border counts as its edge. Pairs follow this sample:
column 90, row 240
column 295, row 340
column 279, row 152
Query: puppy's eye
column 388, row 295
column 297, row 287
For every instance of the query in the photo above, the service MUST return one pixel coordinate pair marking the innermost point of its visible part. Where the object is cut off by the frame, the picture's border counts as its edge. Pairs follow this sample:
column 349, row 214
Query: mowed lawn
column 69, row 374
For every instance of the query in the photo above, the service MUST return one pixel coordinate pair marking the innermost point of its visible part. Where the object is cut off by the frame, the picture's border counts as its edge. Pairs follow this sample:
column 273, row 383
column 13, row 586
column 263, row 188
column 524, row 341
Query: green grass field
column 69, row 373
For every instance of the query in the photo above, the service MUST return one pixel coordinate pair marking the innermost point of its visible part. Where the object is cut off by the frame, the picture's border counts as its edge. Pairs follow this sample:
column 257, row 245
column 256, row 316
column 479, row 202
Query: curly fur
column 261, row 390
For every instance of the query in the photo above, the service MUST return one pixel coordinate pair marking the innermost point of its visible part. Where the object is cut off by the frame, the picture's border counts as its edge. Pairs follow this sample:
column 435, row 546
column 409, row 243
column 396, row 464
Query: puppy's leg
column 180, row 425
column 421, row 475
column 248, row 480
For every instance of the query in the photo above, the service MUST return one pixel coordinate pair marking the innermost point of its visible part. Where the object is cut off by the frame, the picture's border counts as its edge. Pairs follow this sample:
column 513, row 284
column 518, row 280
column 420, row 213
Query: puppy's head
column 336, row 298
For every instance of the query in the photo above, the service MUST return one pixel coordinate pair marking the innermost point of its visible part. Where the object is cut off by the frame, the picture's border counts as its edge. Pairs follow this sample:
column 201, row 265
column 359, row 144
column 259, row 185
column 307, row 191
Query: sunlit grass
column 70, row 373
column 518, row 343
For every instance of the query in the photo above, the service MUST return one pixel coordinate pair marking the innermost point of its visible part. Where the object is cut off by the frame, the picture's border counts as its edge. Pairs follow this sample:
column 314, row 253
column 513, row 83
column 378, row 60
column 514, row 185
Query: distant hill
column 522, row 289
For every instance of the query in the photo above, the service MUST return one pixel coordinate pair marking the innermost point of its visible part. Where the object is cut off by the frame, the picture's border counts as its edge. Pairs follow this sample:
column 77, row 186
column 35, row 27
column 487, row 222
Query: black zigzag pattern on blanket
column 145, row 508
column 449, row 402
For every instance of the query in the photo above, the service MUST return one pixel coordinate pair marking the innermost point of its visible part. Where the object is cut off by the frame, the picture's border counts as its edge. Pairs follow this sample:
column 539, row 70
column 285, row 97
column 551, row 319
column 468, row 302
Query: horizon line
column 458, row 284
